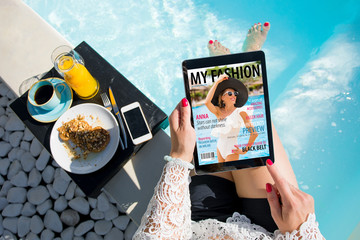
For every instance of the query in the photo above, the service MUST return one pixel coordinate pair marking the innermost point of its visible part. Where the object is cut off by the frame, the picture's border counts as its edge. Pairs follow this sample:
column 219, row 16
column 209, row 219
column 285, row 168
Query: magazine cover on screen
column 228, row 112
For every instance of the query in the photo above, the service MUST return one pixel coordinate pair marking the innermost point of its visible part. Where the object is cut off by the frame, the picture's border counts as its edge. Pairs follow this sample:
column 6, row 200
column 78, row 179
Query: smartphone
column 136, row 123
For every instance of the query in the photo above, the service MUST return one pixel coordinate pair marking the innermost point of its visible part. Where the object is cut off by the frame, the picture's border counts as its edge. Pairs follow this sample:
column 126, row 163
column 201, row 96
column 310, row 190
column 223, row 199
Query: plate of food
column 84, row 138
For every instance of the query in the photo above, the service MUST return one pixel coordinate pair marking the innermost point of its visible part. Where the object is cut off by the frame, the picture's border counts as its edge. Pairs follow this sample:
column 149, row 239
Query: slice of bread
column 84, row 136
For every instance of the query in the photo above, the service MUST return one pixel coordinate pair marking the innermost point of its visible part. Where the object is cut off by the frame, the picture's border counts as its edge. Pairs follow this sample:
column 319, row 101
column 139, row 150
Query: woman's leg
column 250, row 183
column 226, row 175
column 220, row 158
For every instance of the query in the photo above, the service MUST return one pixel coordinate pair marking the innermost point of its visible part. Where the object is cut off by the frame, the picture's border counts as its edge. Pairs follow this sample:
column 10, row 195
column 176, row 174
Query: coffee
column 43, row 94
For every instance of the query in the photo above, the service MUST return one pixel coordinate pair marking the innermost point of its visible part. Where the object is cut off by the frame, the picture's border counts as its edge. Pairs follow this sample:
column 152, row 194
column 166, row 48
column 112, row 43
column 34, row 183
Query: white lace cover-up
column 168, row 215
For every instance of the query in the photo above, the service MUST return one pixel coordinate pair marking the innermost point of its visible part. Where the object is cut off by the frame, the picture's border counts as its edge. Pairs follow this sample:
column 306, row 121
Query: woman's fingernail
column 268, row 187
column 266, row 24
column 215, row 40
column 211, row 42
column 184, row 102
column 269, row 162
column 232, row 151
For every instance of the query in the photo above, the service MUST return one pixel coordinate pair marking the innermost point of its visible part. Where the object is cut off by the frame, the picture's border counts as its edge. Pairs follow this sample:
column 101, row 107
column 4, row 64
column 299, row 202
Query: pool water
column 313, row 62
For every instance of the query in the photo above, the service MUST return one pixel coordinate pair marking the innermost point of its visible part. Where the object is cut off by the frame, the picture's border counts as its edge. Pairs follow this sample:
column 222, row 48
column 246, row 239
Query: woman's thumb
column 274, row 202
column 185, row 113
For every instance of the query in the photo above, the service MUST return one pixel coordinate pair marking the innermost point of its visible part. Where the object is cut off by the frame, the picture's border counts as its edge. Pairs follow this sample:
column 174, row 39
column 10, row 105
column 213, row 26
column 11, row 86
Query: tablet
column 230, row 111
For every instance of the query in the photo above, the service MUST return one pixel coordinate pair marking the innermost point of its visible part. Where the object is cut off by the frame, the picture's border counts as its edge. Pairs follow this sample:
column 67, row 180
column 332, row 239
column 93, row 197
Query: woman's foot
column 256, row 37
column 216, row 49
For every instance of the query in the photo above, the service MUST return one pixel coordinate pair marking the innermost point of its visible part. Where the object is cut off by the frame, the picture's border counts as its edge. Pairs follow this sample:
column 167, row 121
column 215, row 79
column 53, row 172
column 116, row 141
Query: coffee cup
column 45, row 94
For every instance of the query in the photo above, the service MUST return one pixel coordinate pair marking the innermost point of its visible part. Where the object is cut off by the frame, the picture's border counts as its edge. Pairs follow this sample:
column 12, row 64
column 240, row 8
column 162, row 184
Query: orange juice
column 78, row 77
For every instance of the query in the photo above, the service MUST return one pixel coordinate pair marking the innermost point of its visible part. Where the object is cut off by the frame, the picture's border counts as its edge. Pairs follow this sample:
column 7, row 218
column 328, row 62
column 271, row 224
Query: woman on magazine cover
column 225, row 100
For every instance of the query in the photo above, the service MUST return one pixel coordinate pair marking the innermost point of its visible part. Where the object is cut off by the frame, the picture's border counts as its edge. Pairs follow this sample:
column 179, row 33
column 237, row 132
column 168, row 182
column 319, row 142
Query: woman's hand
column 182, row 133
column 237, row 150
column 222, row 78
column 289, row 206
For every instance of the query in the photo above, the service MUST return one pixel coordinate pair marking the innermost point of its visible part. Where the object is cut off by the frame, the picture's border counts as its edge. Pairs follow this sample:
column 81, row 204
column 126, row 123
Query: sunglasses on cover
column 231, row 93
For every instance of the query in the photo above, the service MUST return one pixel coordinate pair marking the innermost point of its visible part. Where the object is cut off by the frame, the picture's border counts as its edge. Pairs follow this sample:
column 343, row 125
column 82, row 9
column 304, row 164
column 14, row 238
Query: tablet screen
column 230, row 111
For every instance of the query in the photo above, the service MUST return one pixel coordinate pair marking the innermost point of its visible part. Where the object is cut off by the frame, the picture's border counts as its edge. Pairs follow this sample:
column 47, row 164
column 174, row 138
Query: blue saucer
column 50, row 116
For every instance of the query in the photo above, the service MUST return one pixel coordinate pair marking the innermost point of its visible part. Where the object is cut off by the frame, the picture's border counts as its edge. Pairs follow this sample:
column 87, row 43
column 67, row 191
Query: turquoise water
column 313, row 62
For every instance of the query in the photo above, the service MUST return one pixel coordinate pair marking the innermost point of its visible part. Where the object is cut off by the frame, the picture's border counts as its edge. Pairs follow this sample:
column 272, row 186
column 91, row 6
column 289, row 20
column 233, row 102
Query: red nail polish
column 266, row 24
column 232, row 151
column 211, row 42
column 215, row 40
column 268, row 187
column 184, row 102
column 259, row 23
column 269, row 162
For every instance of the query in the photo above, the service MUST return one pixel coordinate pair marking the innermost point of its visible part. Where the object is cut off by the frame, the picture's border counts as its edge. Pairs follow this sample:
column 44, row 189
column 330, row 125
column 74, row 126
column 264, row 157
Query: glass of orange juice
column 72, row 67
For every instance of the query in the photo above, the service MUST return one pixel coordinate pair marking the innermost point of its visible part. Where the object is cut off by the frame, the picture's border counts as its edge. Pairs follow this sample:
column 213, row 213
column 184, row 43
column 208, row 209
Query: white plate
column 95, row 115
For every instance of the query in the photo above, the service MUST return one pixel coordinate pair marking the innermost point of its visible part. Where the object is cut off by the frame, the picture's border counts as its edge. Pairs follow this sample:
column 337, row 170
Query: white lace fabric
column 168, row 215
column 308, row 230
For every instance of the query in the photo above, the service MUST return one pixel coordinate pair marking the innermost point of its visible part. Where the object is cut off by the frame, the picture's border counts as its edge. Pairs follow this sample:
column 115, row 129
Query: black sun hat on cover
column 235, row 84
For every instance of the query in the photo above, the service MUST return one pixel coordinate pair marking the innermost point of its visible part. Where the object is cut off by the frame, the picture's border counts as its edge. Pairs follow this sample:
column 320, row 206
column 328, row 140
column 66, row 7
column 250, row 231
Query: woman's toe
column 266, row 27
column 211, row 46
column 258, row 27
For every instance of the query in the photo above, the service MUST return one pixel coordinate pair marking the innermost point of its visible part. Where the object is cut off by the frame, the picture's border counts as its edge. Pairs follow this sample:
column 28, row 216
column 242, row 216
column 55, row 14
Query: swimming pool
column 313, row 56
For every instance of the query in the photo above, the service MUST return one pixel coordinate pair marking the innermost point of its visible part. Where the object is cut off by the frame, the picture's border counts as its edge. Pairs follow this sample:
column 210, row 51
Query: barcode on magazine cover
column 208, row 155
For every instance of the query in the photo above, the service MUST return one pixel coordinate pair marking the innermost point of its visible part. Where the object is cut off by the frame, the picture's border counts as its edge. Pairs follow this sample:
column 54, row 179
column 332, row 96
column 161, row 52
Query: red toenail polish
column 259, row 23
column 266, row 24
column 211, row 42
column 269, row 162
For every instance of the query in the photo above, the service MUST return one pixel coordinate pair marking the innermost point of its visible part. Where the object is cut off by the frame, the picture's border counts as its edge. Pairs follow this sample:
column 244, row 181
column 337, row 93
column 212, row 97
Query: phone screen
column 135, row 122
